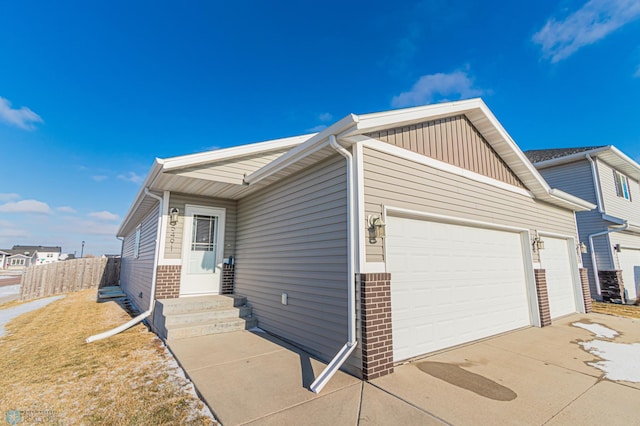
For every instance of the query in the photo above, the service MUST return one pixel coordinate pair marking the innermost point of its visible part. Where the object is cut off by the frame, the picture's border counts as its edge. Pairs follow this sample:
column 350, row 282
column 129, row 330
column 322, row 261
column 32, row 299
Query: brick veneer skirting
column 586, row 292
column 375, row 312
column 168, row 281
column 543, row 296
column 228, row 274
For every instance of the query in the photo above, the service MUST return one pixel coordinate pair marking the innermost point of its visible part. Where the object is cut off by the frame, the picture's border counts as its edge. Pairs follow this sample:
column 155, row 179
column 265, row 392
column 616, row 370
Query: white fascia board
column 578, row 203
column 400, row 117
column 156, row 169
column 312, row 145
column 570, row 158
column 193, row 160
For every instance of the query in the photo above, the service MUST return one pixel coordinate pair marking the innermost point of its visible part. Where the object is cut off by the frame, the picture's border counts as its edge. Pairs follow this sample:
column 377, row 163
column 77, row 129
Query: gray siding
column 136, row 274
column 574, row 178
column 292, row 238
column 614, row 205
column 453, row 140
column 399, row 182
column 173, row 240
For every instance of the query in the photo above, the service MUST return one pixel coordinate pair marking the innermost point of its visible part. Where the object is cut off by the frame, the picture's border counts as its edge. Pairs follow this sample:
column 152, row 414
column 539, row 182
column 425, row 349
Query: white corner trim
column 374, row 267
column 361, row 221
column 163, row 225
column 440, row 165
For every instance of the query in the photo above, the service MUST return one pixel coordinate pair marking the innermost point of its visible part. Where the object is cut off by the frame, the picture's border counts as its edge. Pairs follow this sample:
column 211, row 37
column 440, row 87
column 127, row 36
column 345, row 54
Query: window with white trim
column 622, row 185
column 136, row 244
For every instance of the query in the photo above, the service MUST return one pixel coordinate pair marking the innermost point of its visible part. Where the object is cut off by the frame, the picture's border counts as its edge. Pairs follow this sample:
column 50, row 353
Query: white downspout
column 148, row 312
column 593, row 252
column 351, row 344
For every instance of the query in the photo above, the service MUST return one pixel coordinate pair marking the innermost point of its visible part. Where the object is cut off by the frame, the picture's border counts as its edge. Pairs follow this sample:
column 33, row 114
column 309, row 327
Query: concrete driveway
column 532, row 376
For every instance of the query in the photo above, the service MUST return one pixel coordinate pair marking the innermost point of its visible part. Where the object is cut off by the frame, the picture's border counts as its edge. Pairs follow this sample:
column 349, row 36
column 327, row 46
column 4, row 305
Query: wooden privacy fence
column 68, row 276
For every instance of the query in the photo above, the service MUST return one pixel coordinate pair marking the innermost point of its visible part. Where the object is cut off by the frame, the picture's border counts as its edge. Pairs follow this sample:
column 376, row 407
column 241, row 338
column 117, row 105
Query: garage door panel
column 629, row 260
column 452, row 284
column 556, row 262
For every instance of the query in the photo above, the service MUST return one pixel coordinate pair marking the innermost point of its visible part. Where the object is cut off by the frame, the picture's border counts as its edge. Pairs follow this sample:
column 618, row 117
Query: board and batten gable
column 613, row 204
column 452, row 140
column 174, row 233
column 292, row 238
column 576, row 178
column 393, row 181
column 136, row 273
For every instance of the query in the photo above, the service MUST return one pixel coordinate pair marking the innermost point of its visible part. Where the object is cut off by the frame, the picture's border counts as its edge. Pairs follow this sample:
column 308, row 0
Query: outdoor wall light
column 538, row 244
column 173, row 216
column 582, row 247
column 376, row 227
column 617, row 248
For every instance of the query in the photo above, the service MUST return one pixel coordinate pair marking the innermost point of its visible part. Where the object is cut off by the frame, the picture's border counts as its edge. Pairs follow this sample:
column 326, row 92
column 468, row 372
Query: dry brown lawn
column 51, row 375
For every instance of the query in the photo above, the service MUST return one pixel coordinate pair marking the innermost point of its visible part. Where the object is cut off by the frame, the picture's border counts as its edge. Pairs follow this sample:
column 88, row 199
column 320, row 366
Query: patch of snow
column 620, row 361
column 9, row 290
column 597, row 329
column 256, row 330
column 8, row 314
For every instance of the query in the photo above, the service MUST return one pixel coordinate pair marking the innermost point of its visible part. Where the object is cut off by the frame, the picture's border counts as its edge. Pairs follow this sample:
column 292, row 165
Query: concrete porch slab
column 382, row 408
column 245, row 376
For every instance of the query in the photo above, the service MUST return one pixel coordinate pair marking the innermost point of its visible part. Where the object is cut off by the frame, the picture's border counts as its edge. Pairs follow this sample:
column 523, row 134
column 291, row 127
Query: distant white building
column 21, row 257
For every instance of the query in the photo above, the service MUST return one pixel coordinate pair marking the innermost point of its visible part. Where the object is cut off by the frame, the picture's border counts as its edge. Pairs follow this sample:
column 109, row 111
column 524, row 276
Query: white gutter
column 596, row 182
column 593, row 252
column 351, row 344
column 582, row 205
column 152, row 296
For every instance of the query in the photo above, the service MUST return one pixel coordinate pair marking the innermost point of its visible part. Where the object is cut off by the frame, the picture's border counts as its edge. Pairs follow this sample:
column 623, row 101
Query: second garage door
column 452, row 284
column 555, row 260
column 630, row 264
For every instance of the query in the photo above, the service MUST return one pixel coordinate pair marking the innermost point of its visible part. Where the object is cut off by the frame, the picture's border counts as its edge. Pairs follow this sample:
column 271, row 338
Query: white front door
column 202, row 250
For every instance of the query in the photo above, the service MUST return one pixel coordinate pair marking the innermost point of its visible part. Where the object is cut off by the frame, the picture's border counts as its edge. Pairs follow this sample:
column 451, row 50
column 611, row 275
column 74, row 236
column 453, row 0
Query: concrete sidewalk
column 531, row 376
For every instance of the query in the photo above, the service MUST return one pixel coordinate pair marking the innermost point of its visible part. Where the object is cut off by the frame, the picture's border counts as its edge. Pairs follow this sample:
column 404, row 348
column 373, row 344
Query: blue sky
column 92, row 92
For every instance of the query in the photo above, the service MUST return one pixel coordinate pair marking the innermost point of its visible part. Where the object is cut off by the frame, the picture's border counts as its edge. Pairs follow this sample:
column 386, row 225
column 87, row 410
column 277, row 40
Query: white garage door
column 452, row 284
column 555, row 260
column 629, row 260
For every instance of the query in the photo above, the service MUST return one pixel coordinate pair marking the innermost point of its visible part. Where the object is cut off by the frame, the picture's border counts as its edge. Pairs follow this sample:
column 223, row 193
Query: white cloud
column 99, row 178
column 66, row 209
column 592, row 22
column 442, row 86
column 25, row 206
column 131, row 177
column 325, row 116
column 90, row 227
column 104, row 215
column 318, row 128
column 21, row 117
column 8, row 197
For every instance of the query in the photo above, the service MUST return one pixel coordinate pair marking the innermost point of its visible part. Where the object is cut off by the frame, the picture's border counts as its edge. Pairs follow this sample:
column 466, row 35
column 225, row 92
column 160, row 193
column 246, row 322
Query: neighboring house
column 18, row 261
column 3, row 258
column 605, row 176
column 40, row 255
column 295, row 226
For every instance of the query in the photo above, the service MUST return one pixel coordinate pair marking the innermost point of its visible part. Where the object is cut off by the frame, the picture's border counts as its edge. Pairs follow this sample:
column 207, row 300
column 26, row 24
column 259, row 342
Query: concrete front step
column 204, row 328
column 177, row 320
column 184, row 305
